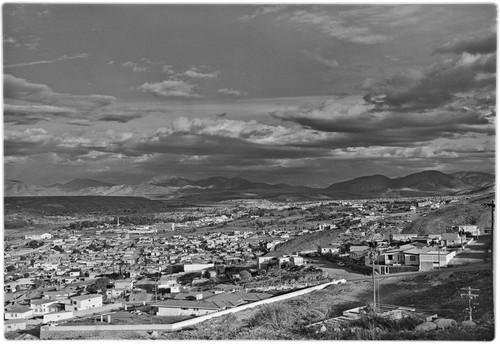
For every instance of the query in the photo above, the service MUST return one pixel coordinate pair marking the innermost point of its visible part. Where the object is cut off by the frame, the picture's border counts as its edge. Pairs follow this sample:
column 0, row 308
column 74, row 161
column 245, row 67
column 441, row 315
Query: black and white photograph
column 249, row 171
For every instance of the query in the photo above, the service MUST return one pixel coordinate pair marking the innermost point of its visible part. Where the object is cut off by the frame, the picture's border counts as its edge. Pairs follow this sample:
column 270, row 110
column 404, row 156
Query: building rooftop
column 19, row 309
column 187, row 304
column 86, row 297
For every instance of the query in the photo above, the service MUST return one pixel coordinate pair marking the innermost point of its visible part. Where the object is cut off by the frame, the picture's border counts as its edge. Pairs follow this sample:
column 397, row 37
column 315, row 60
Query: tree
column 245, row 275
column 58, row 248
column 34, row 244
column 100, row 285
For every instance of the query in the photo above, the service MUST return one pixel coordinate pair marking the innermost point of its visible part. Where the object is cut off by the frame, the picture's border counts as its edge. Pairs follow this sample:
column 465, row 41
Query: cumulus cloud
column 194, row 73
column 231, row 92
column 168, row 69
column 134, row 67
column 170, row 88
column 475, row 45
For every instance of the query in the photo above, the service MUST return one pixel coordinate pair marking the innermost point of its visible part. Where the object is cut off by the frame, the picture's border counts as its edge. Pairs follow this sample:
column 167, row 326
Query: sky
column 298, row 94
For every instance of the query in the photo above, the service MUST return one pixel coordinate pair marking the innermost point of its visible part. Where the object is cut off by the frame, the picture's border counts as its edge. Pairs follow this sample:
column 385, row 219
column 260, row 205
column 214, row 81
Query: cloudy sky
column 306, row 95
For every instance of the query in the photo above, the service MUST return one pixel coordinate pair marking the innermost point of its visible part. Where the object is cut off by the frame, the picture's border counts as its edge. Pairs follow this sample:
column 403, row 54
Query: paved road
column 471, row 267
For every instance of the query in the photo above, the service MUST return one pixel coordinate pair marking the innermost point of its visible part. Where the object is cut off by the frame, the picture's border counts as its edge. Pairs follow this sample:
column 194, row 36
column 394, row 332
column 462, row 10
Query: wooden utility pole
column 470, row 297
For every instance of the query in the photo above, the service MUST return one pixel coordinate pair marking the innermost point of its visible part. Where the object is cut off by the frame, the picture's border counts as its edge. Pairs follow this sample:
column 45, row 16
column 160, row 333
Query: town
column 197, row 261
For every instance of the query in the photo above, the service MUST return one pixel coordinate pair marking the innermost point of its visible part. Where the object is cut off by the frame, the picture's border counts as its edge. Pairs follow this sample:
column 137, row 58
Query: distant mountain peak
column 168, row 180
column 82, row 183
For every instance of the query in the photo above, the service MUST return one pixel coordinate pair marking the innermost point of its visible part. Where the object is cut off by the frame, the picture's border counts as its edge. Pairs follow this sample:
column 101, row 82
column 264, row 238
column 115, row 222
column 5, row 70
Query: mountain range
column 426, row 183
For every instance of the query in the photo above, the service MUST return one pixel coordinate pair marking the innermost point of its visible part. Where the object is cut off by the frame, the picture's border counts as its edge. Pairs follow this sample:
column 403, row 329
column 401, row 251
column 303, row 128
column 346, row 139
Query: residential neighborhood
column 204, row 264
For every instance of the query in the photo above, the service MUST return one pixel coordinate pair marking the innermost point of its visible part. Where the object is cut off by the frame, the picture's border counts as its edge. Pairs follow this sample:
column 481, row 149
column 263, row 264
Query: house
column 227, row 288
column 428, row 258
column 74, row 273
column 38, row 236
column 18, row 312
column 297, row 261
column 356, row 252
column 185, row 308
column 435, row 258
column 470, row 229
column 402, row 237
column 453, row 239
column 58, row 295
column 14, row 325
column 83, row 302
column 57, row 316
column 125, row 284
column 330, row 249
column 211, row 274
column 197, row 267
column 41, row 306
column 115, row 293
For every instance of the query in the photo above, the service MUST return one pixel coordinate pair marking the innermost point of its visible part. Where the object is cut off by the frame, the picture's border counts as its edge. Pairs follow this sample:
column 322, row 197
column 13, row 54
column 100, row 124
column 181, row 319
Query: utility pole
column 491, row 205
column 279, row 269
column 373, row 256
column 470, row 297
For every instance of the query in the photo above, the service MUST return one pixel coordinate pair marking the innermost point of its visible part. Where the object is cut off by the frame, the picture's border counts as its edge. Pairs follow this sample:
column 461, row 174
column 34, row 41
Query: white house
column 452, row 239
column 297, row 260
column 473, row 230
column 41, row 306
column 44, row 236
column 185, row 307
column 125, row 284
column 83, row 302
column 57, row 316
column 19, row 312
column 14, row 325
column 197, row 267
column 329, row 249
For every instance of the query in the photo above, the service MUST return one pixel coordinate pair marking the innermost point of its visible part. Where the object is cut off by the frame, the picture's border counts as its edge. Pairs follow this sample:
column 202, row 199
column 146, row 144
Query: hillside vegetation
column 286, row 320
column 440, row 220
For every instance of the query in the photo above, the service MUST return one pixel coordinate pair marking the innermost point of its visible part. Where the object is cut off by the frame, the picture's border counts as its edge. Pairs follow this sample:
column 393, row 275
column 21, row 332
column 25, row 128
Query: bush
column 277, row 317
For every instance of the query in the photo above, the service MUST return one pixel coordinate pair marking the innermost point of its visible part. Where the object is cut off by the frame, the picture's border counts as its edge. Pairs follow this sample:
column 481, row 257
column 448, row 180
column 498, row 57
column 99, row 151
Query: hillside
column 68, row 205
column 426, row 183
column 438, row 221
column 309, row 241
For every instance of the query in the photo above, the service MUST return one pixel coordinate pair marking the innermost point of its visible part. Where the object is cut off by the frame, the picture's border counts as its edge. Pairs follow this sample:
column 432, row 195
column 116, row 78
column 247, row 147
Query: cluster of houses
column 405, row 252
column 68, row 303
